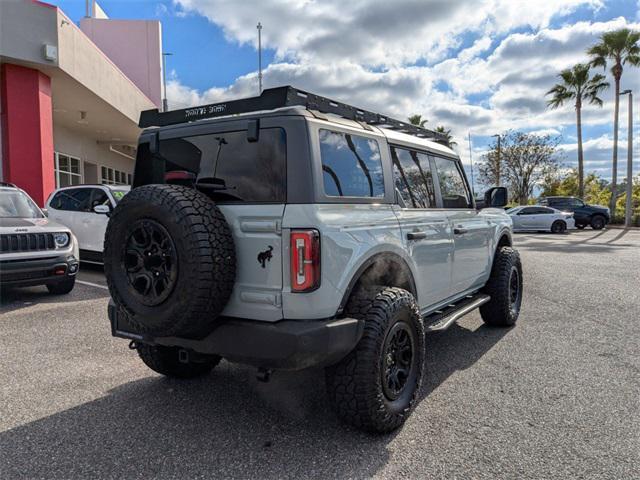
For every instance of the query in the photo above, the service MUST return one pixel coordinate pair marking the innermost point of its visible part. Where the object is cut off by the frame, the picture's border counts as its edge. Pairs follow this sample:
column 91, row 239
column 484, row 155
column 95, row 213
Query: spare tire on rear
column 170, row 260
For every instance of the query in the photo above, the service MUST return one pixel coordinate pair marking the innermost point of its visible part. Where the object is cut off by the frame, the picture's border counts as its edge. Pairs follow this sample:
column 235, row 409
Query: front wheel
column 505, row 289
column 376, row 386
column 166, row 361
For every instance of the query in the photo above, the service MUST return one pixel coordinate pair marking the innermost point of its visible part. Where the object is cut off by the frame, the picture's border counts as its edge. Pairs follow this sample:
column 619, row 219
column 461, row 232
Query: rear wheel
column 558, row 227
column 598, row 222
column 166, row 361
column 62, row 288
column 505, row 289
column 376, row 386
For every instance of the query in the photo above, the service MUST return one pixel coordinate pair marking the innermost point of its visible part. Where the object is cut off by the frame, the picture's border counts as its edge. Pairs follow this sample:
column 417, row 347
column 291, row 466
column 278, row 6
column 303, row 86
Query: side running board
column 445, row 317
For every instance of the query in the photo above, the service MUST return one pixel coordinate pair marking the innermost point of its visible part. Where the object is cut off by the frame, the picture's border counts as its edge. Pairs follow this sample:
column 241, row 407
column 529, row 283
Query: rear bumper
column 23, row 272
column 282, row 345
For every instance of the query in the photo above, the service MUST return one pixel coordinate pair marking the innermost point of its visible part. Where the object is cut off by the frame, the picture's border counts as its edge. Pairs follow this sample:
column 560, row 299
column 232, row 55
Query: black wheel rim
column 514, row 290
column 397, row 360
column 151, row 262
column 598, row 222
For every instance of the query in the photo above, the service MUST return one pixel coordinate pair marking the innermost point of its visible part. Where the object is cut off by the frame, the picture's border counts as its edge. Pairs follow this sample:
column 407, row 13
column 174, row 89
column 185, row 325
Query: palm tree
column 579, row 86
column 417, row 120
column 619, row 47
column 447, row 133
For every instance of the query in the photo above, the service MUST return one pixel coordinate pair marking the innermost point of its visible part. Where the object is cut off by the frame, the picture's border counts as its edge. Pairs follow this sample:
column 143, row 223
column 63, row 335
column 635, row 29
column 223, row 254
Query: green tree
column 618, row 48
column 447, row 133
column 526, row 160
column 577, row 85
column 417, row 120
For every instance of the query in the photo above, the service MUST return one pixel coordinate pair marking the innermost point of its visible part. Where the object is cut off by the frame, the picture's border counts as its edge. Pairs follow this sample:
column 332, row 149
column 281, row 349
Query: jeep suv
column 33, row 249
column 596, row 216
column 287, row 231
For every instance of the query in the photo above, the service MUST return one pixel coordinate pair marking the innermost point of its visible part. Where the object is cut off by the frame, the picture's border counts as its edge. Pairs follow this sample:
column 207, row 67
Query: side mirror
column 45, row 211
column 496, row 197
column 102, row 209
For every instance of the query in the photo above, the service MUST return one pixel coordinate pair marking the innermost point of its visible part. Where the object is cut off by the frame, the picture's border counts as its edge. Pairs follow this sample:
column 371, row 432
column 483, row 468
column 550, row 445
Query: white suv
column 33, row 249
column 85, row 210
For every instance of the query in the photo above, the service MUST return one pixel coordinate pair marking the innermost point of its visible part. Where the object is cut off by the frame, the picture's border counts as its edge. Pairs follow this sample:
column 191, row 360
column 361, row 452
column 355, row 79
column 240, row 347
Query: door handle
column 416, row 235
column 460, row 231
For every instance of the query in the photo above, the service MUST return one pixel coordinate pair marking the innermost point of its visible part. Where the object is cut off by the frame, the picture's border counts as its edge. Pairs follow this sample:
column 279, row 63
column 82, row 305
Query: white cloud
column 396, row 58
column 376, row 32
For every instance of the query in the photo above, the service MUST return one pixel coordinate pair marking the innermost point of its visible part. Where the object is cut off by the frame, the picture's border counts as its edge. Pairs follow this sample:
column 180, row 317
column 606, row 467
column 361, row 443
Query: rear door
column 471, row 231
column 425, row 228
column 543, row 217
column 247, row 180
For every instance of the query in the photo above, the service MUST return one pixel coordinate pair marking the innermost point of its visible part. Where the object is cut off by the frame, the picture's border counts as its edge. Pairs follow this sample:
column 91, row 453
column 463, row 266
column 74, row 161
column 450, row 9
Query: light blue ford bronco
column 289, row 231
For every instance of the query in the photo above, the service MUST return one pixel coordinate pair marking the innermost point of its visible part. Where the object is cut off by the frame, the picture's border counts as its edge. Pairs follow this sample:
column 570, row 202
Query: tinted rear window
column 351, row 165
column 238, row 170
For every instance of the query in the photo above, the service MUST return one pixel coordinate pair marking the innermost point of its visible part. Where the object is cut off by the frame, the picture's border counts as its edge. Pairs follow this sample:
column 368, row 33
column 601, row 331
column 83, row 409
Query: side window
column 545, row 211
column 351, row 165
column 528, row 211
column 73, row 200
column 99, row 197
column 412, row 178
column 453, row 188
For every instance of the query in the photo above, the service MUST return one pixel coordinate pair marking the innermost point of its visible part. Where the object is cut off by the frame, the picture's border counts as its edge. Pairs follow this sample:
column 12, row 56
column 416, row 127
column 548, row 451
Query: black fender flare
column 370, row 262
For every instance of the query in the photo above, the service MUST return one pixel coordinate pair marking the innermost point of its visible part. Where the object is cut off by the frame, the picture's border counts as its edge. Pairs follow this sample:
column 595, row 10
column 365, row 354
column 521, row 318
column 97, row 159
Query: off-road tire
column 355, row 384
column 503, row 310
column 558, row 227
column 598, row 222
column 204, row 258
column 164, row 360
column 62, row 288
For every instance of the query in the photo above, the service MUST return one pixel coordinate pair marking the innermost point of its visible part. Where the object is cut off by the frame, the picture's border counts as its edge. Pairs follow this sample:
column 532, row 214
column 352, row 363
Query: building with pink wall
column 71, row 96
column 135, row 46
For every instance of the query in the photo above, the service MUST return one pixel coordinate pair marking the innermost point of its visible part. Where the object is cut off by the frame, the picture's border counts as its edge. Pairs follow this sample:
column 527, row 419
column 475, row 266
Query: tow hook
column 264, row 374
column 133, row 345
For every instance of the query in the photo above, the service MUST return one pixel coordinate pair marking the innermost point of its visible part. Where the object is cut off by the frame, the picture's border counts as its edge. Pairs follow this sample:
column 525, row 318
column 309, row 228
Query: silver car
column 540, row 218
column 33, row 249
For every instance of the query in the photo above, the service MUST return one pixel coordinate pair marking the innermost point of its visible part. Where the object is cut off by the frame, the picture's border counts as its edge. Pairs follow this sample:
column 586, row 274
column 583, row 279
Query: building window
column 68, row 170
column 111, row 176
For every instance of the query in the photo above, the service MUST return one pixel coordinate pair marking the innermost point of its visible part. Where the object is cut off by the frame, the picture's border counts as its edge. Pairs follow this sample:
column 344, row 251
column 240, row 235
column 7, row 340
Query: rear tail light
column 305, row 260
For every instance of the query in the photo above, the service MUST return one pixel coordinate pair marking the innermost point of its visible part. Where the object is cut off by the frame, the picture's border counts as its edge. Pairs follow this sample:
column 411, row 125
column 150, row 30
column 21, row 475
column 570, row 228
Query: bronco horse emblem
column 266, row 256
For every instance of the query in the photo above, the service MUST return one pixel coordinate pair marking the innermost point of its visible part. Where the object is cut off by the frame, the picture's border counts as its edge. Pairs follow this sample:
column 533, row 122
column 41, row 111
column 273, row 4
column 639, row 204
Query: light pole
column 259, row 27
column 498, row 161
column 165, row 104
column 473, row 191
column 629, row 203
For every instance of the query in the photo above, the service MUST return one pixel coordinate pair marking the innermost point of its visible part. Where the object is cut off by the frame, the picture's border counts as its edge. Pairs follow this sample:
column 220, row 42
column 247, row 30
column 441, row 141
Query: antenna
column 259, row 27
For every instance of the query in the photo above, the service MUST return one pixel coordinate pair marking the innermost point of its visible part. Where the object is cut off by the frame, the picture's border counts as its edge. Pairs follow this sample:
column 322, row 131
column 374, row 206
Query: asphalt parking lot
column 558, row 396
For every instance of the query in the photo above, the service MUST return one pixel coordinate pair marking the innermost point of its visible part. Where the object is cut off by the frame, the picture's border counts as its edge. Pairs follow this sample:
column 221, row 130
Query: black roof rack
column 279, row 97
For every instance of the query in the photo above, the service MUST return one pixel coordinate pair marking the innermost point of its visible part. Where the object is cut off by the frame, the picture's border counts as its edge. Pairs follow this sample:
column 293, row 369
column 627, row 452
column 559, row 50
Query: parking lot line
column 91, row 284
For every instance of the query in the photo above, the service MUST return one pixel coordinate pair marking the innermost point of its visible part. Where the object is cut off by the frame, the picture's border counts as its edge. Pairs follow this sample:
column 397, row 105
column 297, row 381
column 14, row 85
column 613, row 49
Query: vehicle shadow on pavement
column 224, row 425
column 455, row 349
column 18, row 298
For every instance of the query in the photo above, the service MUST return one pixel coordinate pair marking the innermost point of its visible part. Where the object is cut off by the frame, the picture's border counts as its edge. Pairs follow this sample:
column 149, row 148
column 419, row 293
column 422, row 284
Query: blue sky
column 479, row 66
